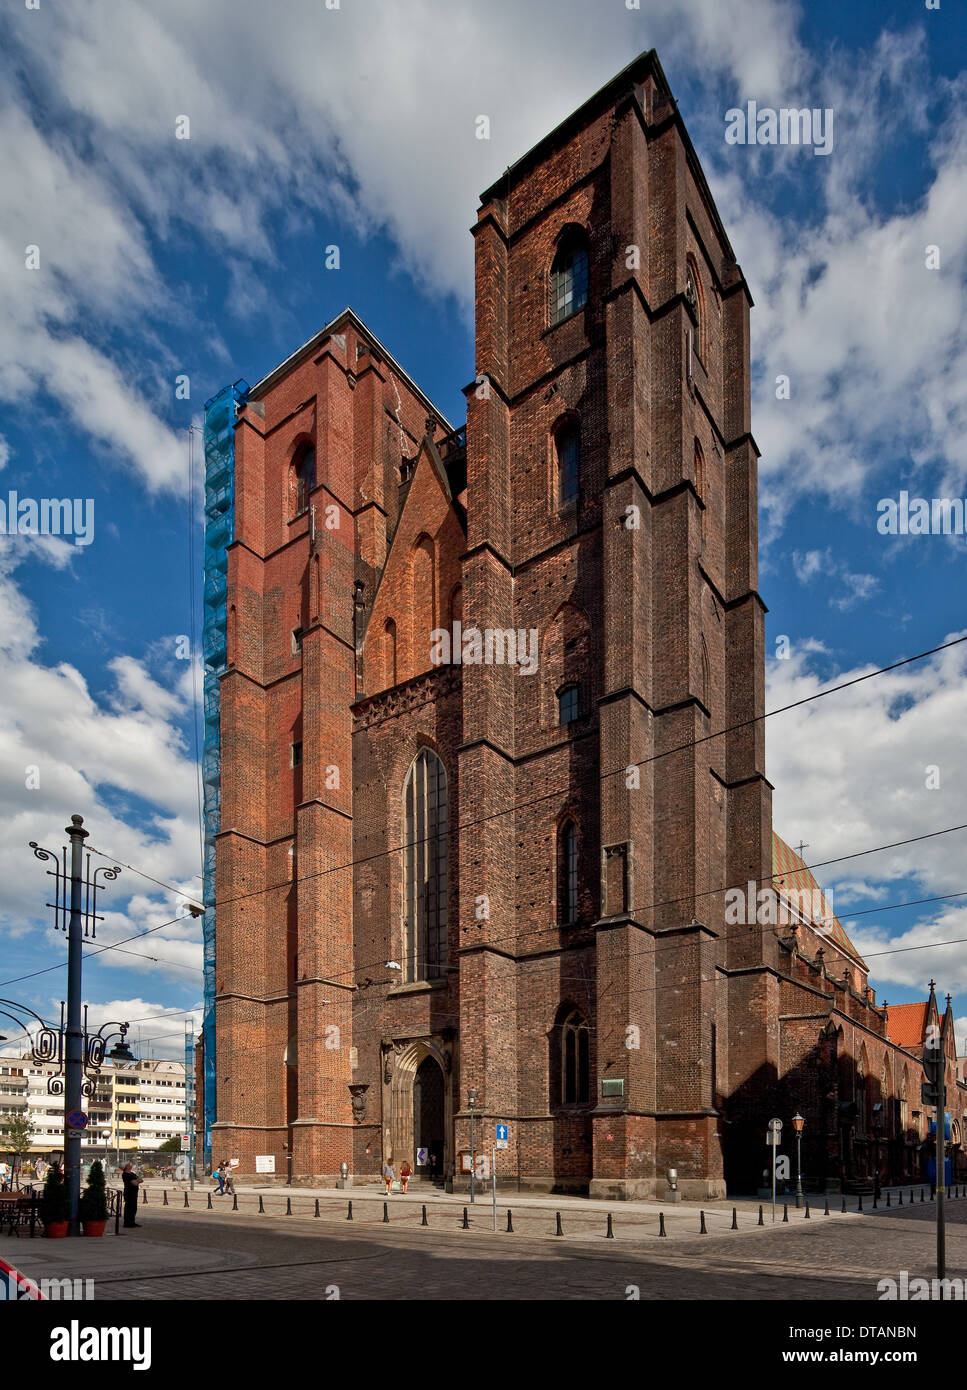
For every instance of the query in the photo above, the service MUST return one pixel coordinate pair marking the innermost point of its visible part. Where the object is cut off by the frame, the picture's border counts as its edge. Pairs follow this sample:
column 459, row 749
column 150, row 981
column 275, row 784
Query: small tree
column 54, row 1205
column 93, row 1206
column 17, row 1135
column 170, row 1146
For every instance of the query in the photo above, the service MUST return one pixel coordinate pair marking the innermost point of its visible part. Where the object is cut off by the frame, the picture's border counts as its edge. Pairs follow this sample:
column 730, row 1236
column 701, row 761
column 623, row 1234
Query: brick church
column 474, row 819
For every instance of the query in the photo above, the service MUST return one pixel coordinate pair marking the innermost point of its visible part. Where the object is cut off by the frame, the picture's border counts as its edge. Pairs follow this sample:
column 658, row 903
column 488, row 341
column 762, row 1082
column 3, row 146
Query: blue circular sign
column 77, row 1119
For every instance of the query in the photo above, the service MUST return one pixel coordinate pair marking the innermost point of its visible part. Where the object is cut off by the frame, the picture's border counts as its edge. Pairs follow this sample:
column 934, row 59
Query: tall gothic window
column 569, row 277
column 425, row 869
column 305, row 478
column 567, row 449
column 567, row 873
column 575, row 1060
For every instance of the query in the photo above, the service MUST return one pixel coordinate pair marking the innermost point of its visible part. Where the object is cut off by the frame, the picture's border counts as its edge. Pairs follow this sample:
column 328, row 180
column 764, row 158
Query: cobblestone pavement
column 225, row 1255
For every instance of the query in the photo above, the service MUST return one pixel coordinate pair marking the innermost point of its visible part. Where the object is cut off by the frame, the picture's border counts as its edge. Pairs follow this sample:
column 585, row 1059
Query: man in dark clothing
column 131, row 1184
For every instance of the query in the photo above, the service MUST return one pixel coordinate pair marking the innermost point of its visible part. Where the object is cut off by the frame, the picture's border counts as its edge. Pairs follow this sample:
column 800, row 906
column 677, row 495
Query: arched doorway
column 429, row 1119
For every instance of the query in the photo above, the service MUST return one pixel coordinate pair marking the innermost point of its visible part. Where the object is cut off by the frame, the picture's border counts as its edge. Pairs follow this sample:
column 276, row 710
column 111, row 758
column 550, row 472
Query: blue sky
column 206, row 257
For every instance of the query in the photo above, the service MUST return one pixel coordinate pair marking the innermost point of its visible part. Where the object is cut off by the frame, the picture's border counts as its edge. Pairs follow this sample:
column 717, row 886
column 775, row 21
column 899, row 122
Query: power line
column 557, row 794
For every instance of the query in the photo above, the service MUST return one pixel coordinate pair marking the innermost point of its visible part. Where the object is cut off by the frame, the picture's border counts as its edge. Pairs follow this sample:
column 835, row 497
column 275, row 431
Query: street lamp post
column 471, row 1106
column 797, row 1123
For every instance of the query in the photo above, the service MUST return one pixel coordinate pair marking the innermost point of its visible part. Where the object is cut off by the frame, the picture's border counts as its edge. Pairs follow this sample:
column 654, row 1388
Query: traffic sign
column 502, row 1140
column 185, row 1143
column 422, row 1157
column 75, row 1134
column 77, row 1120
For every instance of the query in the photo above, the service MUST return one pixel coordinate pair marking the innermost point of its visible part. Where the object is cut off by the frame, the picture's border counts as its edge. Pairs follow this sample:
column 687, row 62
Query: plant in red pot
column 54, row 1208
column 93, row 1208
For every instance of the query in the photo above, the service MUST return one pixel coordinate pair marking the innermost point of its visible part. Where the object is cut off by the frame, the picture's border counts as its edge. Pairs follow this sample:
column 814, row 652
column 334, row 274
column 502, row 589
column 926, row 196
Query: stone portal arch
column 400, row 1131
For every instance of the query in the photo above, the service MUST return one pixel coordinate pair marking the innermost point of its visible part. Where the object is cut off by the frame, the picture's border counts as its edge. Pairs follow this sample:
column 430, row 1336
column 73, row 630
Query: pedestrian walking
column 131, row 1184
column 229, row 1181
column 389, row 1173
column 406, row 1172
column 217, row 1175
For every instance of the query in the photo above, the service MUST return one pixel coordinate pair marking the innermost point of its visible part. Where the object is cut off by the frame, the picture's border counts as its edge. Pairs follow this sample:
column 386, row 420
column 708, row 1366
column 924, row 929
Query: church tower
column 612, row 509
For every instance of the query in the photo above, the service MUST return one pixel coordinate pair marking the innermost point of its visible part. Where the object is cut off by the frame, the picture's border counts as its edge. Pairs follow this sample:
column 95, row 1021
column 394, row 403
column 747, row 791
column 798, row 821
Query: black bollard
column 510, row 1224
column 609, row 1234
column 385, row 1213
column 423, row 1221
column 117, row 1214
column 261, row 1205
column 875, row 1202
column 859, row 1202
column 288, row 1206
column 186, row 1199
column 911, row 1196
column 844, row 1206
column 701, row 1224
column 931, row 1192
column 888, row 1198
column 560, row 1229
column 316, row 1212
column 661, row 1224
column 165, row 1198
column 209, row 1201
column 785, row 1211
column 144, row 1197
column 806, row 1217
column 349, row 1213
column 466, row 1223
column 234, row 1201
column 761, row 1220
column 948, row 1194
column 826, row 1207
column 735, row 1219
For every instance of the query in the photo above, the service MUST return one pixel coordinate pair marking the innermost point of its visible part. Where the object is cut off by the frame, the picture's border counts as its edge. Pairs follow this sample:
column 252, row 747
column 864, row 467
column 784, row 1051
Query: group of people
column 13, row 1174
column 389, row 1175
column 225, row 1178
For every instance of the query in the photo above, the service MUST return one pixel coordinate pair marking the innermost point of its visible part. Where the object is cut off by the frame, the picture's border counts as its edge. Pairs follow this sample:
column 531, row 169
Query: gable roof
column 791, row 875
column 906, row 1023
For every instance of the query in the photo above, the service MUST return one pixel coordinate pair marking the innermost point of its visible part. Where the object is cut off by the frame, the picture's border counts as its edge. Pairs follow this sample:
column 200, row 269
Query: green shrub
column 54, row 1205
column 93, row 1199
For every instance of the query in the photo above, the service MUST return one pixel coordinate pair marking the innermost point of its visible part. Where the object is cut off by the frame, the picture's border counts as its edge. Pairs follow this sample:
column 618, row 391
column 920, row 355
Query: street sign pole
column 493, row 1175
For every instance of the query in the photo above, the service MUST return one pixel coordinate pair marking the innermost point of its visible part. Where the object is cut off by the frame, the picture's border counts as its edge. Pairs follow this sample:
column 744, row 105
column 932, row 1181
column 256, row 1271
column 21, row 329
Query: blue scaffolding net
column 220, row 413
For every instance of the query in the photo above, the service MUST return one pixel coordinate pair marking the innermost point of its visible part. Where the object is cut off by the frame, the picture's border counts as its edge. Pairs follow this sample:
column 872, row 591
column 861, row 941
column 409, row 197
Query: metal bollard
column 609, row 1234
column 560, row 1229
column 859, row 1202
column 288, row 1206
column 761, row 1222
column 806, row 1217
column 261, row 1205
column 165, row 1201
column 661, row 1224
column 117, row 1214
column 316, row 1212
column 701, row 1224
column 826, row 1207
column 875, row 1202
column 210, row 1208
column 144, row 1197
column 844, row 1207
column 349, row 1213
column 510, row 1224
column 386, row 1213
column 888, row 1198
column 423, row 1220
column 785, row 1211
column 234, row 1201
column 186, row 1199
column 735, row 1219
column 466, row 1223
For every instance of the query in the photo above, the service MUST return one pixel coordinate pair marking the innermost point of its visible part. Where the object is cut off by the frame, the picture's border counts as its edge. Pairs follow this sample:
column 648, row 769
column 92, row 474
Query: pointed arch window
column 575, row 1060
column 567, row 873
column 425, row 839
column 567, row 452
column 305, row 477
column 569, row 277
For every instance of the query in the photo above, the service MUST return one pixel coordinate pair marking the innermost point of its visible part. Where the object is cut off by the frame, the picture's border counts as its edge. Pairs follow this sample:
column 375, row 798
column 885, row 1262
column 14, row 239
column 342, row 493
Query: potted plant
column 93, row 1206
column 54, row 1208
